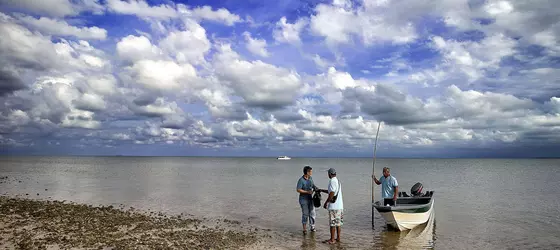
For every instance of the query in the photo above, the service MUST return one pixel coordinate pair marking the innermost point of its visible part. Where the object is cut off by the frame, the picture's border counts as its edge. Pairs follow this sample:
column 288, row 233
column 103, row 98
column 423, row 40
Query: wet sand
column 44, row 224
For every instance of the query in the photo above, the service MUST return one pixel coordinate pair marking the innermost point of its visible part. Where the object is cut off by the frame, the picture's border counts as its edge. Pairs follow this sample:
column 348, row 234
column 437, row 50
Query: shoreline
column 49, row 224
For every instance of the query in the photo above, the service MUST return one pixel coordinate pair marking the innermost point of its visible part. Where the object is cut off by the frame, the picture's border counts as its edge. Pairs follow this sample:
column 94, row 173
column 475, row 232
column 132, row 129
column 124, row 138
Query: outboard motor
column 416, row 190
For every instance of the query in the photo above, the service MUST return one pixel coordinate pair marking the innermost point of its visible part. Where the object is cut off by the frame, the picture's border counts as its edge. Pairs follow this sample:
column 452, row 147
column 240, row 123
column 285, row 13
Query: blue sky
column 446, row 78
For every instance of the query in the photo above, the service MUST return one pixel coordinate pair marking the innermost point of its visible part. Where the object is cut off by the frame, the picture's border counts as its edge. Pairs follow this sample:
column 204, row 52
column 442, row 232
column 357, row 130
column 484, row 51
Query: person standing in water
column 335, row 206
column 305, row 188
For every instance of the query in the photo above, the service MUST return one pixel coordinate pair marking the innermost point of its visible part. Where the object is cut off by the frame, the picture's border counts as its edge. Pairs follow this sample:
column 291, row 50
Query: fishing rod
column 372, row 181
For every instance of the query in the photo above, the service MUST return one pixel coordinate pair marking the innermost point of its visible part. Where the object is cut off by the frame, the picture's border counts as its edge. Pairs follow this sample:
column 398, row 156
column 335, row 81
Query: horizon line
column 251, row 156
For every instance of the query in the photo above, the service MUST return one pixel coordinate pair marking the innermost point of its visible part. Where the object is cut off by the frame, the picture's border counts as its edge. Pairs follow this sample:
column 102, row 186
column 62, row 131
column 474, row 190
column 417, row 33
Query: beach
column 45, row 224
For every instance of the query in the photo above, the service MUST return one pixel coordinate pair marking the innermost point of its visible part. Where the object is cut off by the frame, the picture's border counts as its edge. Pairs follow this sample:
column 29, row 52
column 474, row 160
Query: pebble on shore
column 36, row 224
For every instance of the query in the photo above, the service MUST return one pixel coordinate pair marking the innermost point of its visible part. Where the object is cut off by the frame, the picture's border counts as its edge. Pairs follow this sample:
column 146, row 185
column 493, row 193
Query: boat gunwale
column 380, row 208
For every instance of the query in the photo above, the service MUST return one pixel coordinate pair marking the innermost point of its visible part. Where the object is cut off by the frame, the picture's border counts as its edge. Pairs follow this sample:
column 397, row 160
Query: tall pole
column 372, row 181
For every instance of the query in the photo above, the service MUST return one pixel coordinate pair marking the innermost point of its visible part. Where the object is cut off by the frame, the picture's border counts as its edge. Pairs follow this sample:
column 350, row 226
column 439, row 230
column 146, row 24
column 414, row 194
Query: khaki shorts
column 336, row 218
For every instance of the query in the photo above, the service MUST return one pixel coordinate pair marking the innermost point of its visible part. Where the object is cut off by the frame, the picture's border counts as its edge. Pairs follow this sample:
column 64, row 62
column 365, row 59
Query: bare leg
column 338, row 229
column 332, row 223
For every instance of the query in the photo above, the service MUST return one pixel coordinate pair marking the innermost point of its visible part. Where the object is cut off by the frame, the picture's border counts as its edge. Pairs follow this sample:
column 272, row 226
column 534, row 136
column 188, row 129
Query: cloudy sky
column 446, row 78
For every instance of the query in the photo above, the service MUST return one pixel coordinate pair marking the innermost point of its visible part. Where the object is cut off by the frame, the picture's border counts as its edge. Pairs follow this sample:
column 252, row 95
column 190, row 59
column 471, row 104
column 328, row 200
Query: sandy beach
column 45, row 224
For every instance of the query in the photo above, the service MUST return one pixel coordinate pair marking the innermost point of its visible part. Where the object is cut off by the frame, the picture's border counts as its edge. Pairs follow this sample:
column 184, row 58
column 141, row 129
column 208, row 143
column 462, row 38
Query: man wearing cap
column 335, row 206
column 389, row 187
column 305, row 188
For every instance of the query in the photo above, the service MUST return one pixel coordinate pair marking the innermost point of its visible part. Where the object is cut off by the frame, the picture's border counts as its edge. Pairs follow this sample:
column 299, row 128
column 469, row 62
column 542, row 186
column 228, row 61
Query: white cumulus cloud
column 289, row 32
column 133, row 48
column 190, row 45
column 62, row 28
column 142, row 9
column 162, row 75
column 258, row 83
column 255, row 45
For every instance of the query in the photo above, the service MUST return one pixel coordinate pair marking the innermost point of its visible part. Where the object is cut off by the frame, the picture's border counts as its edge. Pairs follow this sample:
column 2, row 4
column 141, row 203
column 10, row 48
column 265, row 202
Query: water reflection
column 316, row 241
column 308, row 241
column 421, row 237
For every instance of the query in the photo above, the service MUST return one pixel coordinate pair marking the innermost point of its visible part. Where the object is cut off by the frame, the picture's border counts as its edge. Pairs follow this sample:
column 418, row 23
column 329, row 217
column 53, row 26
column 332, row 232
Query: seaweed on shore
column 34, row 224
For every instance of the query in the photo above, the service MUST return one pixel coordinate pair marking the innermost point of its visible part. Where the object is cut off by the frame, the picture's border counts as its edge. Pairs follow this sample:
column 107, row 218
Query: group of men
column 334, row 202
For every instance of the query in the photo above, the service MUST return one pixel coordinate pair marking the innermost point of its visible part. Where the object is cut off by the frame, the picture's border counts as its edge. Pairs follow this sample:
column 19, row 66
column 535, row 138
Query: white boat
column 409, row 211
column 283, row 158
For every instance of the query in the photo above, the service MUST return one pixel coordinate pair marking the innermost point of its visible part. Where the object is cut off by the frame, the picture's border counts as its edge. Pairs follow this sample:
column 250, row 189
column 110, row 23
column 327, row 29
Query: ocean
column 479, row 203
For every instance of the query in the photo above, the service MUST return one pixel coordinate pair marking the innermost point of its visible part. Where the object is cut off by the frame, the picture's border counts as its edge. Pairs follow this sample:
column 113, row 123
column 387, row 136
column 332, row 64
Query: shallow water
column 479, row 203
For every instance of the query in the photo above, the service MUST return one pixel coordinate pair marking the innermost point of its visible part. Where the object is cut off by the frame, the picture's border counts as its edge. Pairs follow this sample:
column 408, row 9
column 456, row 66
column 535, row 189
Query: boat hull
column 409, row 212
column 403, row 221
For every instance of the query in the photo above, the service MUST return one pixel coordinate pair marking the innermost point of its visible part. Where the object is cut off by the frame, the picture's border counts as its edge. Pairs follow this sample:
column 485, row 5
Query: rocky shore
column 45, row 224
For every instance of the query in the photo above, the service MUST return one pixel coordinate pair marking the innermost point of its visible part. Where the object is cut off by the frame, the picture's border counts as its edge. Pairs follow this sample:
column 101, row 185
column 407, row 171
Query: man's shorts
column 389, row 202
column 335, row 218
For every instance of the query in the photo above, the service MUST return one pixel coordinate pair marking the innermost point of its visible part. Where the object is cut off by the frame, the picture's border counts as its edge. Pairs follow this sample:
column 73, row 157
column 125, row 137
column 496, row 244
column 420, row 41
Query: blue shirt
column 306, row 185
column 388, row 186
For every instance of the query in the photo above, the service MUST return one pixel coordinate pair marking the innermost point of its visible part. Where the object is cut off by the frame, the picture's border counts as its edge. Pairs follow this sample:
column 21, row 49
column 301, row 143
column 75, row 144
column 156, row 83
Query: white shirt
column 333, row 187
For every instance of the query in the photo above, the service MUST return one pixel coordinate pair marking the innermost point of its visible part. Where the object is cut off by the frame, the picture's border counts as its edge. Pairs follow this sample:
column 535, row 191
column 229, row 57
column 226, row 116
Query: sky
column 443, row 78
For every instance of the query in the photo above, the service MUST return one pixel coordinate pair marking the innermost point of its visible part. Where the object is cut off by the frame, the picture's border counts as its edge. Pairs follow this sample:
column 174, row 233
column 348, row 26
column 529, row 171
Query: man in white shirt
column 335, row 206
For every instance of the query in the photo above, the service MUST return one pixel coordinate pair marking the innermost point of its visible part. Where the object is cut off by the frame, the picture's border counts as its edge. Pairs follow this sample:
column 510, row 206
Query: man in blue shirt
column 305, row 188
column 389, row 187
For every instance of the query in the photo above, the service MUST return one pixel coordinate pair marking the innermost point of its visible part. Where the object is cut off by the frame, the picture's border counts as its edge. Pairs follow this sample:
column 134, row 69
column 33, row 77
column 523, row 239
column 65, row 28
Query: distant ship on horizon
column 283, row 157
